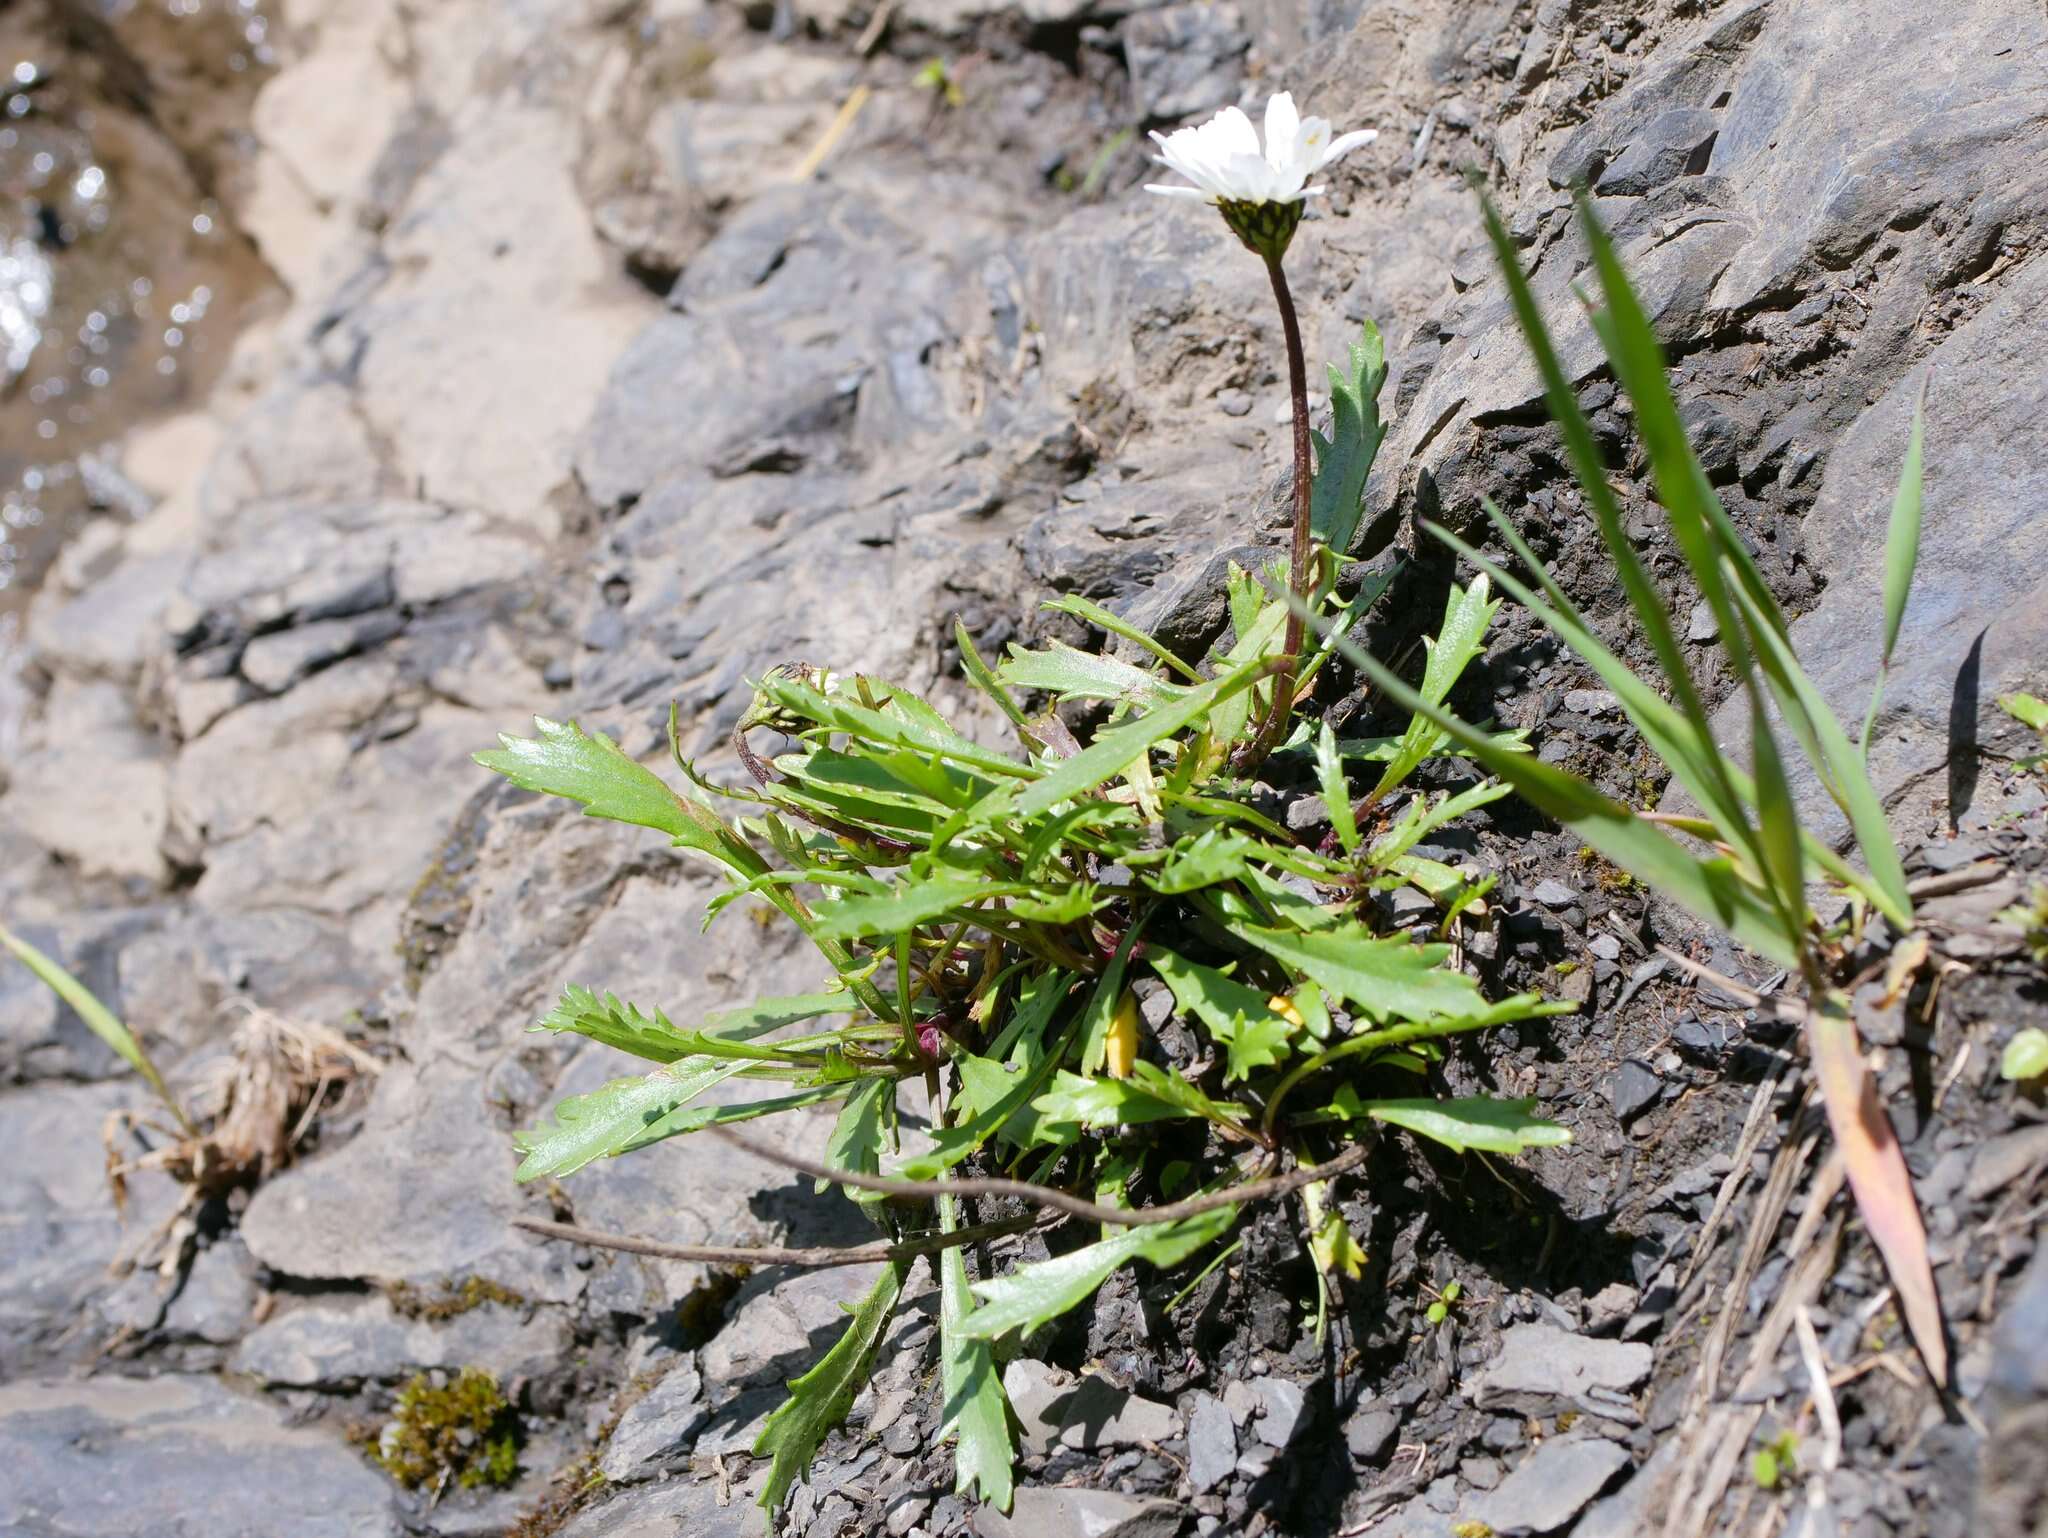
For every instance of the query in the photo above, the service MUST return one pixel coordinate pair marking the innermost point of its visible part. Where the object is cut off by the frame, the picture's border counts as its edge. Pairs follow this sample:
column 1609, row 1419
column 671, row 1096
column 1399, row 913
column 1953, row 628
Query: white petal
column 1249, row 179
column 1232, row 132
column 1282, row 124
column 1345, row 145
column 1192, row 194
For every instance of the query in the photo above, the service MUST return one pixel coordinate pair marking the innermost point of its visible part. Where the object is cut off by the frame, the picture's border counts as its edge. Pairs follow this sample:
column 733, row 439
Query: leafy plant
column 2030, row 918
column 988, row 920
column 2030, row 711
column 2026, row 1056
column 1743, row 862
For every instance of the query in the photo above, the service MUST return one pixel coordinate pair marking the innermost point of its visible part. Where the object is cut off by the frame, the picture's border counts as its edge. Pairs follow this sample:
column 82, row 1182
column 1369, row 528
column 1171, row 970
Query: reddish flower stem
column 1274, row 727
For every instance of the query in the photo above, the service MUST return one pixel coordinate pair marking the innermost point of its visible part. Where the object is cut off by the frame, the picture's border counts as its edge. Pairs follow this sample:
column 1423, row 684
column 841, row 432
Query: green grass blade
column 99, row 1019
column 1901, row 554
column 1642, row 593
column 1712, row 889
column 1666, row 732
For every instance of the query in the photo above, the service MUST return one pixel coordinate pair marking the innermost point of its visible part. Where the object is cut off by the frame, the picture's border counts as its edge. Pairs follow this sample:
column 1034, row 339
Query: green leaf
column 2027, row 709
column 1236, row 1015
column 1481, row 1122
column 1116, row 624
column 1643, row 596
column 1330, row 1241
column 1382, row 979
column 1217, row 855
column 627, row 1114
column 1344, row 459
column 99, row 1019
column 1690, row 757
column 856, row 1141
column 1460, row 639
column 976, row 1408
column 906, row 905
column 1149, row 1094
column 902, row 721
column 819, row 1400
column 1112, row 751
column 1096, row 1018
column 563, row 760
column 985, row 680
column 1711, row 889
column 1426, row 815
column 2025, row 1056
column 1901, row 552
column 1067, row 674
column 615, row 1023
column 1037, row 1294
column 1068, row 907
column 1336, row 792
column 955, row 1143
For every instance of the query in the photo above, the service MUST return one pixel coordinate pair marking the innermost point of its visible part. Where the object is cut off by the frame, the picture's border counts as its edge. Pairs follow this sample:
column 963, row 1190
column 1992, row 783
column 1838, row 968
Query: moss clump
column 447, row 1302
column 462, row 1433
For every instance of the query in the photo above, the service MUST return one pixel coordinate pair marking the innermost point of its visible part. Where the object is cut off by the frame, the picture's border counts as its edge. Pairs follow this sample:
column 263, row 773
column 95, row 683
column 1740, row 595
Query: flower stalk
column 1300, row 550
column 1259, row 190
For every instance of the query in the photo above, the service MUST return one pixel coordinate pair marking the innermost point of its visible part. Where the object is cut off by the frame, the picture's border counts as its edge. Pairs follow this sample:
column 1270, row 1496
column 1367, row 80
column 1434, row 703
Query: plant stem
column 1274, row 727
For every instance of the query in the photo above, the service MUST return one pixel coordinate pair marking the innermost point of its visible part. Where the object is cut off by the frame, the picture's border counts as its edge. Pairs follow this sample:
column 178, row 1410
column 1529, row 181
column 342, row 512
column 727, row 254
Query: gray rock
column 61, row 1232
column 1702, row 626
column 1285, row 1411
column 1212, row 1443
column 656, row 1434
column 1076, row 1513
column 176, row 1457
column 1370, row 1433
column 334, row 1345
column 218, row 1294
column 1540, row 1364
column 1552, row 893
column 1625, row 1513
column 2003, row 1159
column 1633, row 1089
column 1056, row 1409
column 1550, row 1487
column 1592, row 702
column 1185, row 59
column 658, row 1511
column 1669, row 145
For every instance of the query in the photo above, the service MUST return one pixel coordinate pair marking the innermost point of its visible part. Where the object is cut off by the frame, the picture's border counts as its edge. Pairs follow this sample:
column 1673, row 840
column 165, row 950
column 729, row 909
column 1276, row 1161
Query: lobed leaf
column 1068, row 674
column 1239, row 1016
column 627, row 1114
column 1039, row 1293
column 1111, row 753
column 819, row 1400
column 1336, row 792
column 1344, row 459
column 976, row 1411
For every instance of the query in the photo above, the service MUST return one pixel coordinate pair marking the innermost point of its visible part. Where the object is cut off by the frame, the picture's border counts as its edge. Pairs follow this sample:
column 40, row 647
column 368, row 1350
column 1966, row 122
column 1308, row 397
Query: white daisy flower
column 1223, row 159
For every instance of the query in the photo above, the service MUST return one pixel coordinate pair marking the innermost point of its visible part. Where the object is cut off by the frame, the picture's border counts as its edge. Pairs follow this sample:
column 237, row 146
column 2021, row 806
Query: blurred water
column 123, row 278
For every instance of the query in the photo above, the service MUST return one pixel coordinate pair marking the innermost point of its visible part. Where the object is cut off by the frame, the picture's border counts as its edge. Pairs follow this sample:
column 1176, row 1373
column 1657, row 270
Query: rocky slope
column 595, row 393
